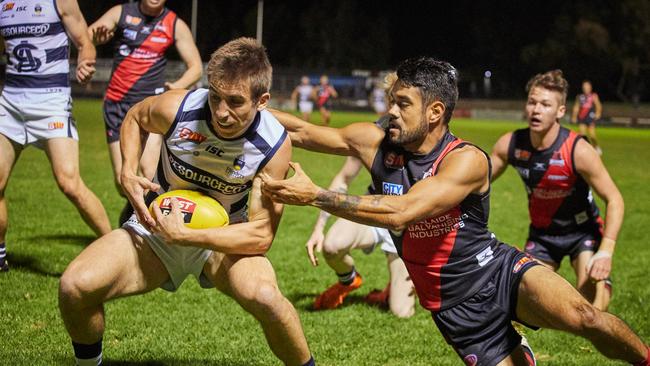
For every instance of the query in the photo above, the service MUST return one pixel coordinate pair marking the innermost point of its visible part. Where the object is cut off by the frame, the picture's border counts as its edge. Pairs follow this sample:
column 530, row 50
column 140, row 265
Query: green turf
column 203, row 327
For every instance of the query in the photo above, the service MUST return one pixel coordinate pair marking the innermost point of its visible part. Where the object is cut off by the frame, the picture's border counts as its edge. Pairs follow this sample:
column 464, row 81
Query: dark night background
column 607, row 42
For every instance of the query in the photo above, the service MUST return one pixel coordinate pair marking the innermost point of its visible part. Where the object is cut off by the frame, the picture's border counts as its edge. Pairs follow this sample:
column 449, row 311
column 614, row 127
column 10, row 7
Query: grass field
column 204, row 327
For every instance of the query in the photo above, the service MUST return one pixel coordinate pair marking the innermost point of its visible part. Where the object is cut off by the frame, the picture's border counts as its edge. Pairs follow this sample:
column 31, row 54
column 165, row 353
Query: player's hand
column 171, row 226
column 315, row 241
column 599, row 265
column 102, row 34
column 171, row 86
column 135, row 188
column 298, row 190
column 85, row 71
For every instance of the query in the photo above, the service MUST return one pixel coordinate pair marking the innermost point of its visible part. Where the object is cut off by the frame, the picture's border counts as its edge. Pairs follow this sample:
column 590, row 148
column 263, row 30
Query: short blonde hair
column 551, row 80
column 239, row 59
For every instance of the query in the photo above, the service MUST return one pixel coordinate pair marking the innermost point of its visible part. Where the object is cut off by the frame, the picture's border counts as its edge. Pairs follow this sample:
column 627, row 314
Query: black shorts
column 589, row 120
column 553, row 248
column 114, row 113
column 480, row 328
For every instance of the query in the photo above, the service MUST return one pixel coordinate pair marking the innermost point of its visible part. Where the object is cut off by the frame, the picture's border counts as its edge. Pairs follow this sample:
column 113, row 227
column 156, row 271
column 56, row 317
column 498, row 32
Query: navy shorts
column 480, row 328
column 589, row 120
column 114, row 113
column 553, row 248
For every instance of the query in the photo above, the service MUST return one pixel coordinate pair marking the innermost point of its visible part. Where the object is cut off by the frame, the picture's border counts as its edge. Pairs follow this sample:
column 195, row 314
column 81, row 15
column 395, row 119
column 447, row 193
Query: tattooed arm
column 462, row 172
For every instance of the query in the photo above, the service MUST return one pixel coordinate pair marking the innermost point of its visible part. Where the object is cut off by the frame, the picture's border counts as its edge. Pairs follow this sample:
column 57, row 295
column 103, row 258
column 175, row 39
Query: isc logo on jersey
column 199, row 210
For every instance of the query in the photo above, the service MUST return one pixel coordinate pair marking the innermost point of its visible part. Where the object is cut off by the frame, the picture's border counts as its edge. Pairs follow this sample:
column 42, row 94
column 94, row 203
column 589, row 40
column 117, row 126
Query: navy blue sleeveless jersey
column 139, row 57
column 449, row 256
column 559, row 199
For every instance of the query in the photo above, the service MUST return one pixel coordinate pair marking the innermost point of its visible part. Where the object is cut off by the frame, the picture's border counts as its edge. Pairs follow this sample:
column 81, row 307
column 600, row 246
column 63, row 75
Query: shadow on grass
column 168, row 362
column 45, row 239
column 30, row 264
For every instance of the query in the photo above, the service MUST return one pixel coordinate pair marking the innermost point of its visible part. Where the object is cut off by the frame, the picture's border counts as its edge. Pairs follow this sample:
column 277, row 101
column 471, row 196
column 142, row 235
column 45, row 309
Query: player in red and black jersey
column 323, row 95
column 587, row 109
column 143, row 32
column 559, row 168
column 436, row 203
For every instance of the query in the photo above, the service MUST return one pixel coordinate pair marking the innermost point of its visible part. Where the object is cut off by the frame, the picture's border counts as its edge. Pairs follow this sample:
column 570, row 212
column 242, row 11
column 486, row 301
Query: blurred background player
column 559, row 168
column 345, row 235
column 36, row 107
column 587, row 110
column 378, row 98
column 323, row 95
column 154, row 250
column 302, row 96
column 145, row 30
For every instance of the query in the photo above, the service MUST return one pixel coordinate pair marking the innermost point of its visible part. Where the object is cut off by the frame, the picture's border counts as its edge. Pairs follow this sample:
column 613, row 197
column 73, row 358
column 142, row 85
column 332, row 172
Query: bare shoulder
column 166, row 105
column 278, row 166
column 585, row 156
column 468, row 159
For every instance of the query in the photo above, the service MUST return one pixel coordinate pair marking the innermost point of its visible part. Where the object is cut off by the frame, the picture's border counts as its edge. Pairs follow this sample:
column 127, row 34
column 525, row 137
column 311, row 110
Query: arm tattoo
column 338, row 200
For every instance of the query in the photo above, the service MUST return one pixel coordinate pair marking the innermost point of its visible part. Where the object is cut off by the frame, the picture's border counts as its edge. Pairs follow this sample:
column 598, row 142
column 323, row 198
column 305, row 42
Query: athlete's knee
column 586, row 318
column 70, row 184
column 259, row 297
column 74, row 288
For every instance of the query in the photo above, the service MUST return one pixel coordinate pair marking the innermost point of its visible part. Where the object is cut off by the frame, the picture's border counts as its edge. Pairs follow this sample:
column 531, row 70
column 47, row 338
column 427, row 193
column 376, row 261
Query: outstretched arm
column 252, row 237
column 462, row 172
column 154, row 114
column 77, row 29
column 190, row 55
column 359, row 140
column 103, row 29
column 591, row 168
column 339, row 183
column 499, row 156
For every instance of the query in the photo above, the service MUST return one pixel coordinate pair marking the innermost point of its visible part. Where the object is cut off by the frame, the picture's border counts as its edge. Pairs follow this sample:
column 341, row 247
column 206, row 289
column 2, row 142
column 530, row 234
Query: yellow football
column 200, row 211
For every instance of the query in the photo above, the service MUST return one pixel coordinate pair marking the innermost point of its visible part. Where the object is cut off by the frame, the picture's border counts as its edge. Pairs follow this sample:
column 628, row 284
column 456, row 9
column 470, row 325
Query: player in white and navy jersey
column 35, row 105
column 302, row 95
column 219, row 141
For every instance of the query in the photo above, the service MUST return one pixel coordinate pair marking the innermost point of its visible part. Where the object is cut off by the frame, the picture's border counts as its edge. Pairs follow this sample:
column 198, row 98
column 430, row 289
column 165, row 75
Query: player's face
column 324, row 80
column 586, row 87
column 543, row 109
column 232, row 108
column 304, row 80
column 153, row 4
column 407, row 124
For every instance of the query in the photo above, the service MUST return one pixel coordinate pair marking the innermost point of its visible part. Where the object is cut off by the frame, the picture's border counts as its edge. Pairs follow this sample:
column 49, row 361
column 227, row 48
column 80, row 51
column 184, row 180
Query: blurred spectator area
column 354, row 91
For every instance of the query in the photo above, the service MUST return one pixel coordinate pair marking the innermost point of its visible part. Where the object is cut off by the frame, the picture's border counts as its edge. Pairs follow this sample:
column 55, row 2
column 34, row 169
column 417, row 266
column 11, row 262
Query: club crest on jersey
column 394, row 160
column 521, row 263
column 523, row 155
column 187, row 207
column 133, row 20
column 189, row 135
column 392, row 189
column 38, row 10
column 239, row 163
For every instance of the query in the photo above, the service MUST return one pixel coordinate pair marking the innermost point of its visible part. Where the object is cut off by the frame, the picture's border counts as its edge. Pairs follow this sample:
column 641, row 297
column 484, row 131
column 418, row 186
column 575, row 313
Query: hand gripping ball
column 200, row 211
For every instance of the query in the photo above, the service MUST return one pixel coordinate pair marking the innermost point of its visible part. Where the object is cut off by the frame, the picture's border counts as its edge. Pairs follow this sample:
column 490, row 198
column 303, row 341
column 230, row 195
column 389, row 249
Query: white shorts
column 305, row 106
column 179, row 261
column 382, row 236
column 30, row 116
column 380, row 107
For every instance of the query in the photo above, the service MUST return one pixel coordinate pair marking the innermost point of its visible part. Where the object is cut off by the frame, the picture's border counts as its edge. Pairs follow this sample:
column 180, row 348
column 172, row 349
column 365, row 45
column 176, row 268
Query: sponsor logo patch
column 187, row 207
column 539, row 166
column 146, row 29
column 394, row 160
column 189, row 135
column 530, row 245
column 558, row 177
column 521, row 263
column 581, row 217
column 522, row 154
column 130, row 34
column 133, row 20
column 524, row 172
column 159, row 39
column 8, row 6
column 556, row 160
column 55, row 125
column 392, row 189
column 589, row 243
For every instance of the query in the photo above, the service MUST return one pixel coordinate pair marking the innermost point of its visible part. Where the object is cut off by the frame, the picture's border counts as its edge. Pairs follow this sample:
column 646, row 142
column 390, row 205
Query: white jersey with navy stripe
column 305, row 91
column 36, row 45
column 195, row 157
